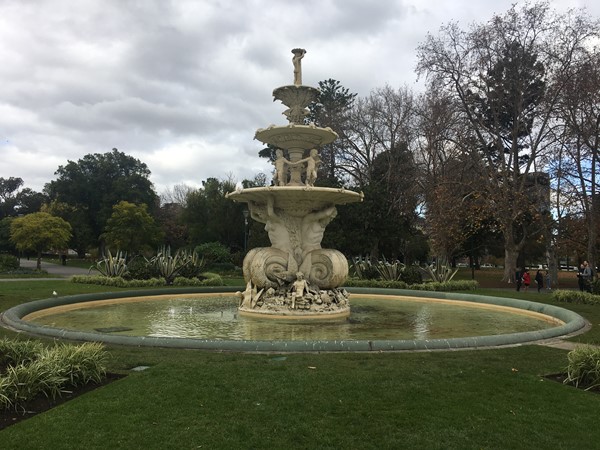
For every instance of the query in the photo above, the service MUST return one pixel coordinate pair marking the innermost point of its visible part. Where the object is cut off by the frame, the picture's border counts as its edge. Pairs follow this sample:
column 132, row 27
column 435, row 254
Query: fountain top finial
column 296, row 60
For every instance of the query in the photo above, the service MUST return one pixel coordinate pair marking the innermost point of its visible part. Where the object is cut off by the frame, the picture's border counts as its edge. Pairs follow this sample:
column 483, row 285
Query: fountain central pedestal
column 295, row 277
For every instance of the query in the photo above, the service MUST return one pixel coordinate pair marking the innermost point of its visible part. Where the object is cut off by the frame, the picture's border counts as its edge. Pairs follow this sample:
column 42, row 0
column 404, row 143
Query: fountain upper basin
column 297, row 200
column 292, row 136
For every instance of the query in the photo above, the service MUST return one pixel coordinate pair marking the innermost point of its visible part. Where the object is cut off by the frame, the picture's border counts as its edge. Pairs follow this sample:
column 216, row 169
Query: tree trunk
column 375, row 250
column 552, row 266
column 39, row 261
column 511, row 253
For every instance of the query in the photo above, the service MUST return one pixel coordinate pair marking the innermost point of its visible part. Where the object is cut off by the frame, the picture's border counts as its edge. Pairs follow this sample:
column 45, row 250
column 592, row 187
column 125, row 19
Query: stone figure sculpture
column 297, row 61
column 281, row 169
column 312, row 163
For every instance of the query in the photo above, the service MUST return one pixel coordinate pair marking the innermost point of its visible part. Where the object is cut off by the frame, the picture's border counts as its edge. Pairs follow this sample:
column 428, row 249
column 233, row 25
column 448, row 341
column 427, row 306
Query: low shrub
column 13, row 352
column 569, row 296
column 26, row 271
column 48, row 371
column 461, row 285
column 583, row 369
column 214, row 253
column 82, row 364
column 207, row 279
column 596, row 286
column 8, row 262
column 213, row 280
column 411, row 275
column 117, row 281
column 139, row 268
column 446, row 286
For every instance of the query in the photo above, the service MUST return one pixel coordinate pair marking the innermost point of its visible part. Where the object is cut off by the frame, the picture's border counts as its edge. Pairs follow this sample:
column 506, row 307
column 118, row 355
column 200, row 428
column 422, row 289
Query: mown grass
column 482, row 399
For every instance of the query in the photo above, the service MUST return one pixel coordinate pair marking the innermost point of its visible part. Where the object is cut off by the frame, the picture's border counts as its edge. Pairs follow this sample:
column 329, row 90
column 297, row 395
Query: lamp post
column 246, row 213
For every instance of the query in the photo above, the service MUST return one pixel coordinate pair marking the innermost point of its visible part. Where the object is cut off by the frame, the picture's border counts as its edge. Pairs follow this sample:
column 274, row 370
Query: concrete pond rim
column 573, row 323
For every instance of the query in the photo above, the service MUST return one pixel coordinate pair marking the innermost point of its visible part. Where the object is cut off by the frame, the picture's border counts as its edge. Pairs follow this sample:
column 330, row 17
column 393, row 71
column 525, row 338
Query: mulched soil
column 40, row 404
column 561, row 377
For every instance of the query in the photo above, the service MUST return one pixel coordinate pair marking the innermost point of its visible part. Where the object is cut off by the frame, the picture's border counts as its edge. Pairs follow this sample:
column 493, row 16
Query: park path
column 58, row 270
column 55, row 269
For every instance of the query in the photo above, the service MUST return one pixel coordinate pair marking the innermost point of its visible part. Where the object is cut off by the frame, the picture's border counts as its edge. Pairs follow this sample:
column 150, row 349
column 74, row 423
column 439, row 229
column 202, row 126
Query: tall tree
column 97, row 182
column 580, row 137
column 504, row 75
column 211, row 217
column 38, row 232
column 132, row 229
column 16, row 201
column 331, row 110
column 8, row 195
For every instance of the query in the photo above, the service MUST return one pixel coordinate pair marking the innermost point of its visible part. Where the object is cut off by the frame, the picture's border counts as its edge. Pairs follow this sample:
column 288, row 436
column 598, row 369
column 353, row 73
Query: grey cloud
column 186, row 83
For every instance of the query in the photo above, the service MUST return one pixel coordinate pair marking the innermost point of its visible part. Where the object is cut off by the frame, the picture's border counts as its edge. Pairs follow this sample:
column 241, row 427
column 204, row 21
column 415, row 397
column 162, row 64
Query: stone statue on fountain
column 295, row 277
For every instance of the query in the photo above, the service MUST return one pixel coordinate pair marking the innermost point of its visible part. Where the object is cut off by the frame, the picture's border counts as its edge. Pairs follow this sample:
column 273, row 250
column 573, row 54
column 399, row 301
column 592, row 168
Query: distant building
column 537, row 186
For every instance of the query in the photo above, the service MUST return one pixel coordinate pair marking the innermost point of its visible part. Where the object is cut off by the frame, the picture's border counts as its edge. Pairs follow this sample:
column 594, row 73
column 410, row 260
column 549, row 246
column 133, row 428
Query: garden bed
column 42, row 403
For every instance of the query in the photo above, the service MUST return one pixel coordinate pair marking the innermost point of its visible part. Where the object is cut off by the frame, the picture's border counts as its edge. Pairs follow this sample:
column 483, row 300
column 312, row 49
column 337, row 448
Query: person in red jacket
column 526, row 280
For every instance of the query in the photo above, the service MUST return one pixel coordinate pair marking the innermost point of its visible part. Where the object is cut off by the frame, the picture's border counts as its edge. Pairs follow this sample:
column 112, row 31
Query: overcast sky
column 183, row 85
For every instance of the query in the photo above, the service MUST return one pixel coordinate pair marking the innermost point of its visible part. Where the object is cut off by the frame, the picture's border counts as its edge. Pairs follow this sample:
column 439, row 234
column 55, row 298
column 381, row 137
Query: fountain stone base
column 324, row 305
column 295, row 277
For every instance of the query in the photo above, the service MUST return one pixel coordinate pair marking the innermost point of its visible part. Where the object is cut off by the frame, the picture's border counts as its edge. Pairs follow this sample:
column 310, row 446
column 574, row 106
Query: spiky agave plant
column 111, row 266
column 389, row 271
column 170, row 266
column 440, row 271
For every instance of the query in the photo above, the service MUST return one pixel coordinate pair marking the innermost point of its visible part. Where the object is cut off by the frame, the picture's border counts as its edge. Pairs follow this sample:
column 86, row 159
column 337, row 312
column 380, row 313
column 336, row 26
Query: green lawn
column 480, row 399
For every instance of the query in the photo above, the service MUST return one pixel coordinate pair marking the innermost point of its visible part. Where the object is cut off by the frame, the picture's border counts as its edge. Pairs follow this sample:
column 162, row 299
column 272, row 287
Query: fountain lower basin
column 564, row 322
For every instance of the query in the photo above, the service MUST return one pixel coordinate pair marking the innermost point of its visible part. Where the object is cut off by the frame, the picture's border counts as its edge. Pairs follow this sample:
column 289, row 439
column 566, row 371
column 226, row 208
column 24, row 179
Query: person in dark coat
column 580, row 279
column 539, row 279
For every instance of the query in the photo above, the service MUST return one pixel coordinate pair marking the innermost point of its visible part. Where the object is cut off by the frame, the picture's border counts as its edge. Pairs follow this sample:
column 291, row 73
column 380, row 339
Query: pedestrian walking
column 539, row 280
column 526, row 280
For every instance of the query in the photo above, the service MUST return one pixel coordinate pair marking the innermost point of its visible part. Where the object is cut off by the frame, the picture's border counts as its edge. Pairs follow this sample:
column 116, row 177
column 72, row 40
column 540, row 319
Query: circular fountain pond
column 208, row 318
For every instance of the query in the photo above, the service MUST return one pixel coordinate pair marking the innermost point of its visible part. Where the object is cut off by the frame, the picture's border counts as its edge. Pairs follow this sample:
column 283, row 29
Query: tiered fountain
column 295, row 277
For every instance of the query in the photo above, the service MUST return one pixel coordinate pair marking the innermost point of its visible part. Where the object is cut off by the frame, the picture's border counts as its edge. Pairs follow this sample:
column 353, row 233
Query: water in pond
column 212, row 317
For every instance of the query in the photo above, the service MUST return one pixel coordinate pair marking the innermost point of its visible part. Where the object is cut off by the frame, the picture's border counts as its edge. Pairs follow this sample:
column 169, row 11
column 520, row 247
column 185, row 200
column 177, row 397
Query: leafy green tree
column 213, row 218
column 30, row 201
column 38, row 232
column 97, row 182
column 213, row 253
column 131, row 228
column 15, row 202
column 6, row 245
column 76, row 216
column 385, row 222
column 8, row 199
column 169, row 218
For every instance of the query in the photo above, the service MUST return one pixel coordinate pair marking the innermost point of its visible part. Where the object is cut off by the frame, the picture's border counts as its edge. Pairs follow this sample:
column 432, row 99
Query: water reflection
column 372, row 318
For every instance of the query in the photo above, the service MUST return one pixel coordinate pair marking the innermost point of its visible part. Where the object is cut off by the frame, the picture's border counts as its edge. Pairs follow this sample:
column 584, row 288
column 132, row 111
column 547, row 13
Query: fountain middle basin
column 366, row 330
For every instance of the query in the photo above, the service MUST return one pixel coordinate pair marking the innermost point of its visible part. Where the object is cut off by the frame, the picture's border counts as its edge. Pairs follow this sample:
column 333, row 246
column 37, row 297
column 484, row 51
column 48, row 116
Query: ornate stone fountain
column 295, row 277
